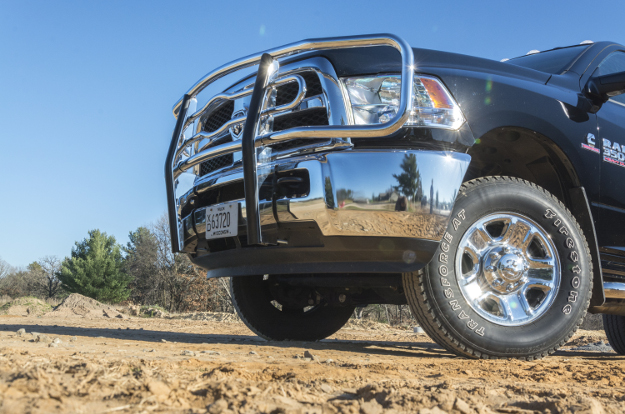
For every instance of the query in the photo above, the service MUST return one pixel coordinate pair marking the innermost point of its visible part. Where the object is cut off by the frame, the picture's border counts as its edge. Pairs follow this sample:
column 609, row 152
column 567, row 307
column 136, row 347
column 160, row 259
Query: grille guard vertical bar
column 169, row 176
column 343, row 131
column 248, row 148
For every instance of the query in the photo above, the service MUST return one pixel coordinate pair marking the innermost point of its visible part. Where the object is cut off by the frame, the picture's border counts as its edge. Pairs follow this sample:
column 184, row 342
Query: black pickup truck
column 334, row 173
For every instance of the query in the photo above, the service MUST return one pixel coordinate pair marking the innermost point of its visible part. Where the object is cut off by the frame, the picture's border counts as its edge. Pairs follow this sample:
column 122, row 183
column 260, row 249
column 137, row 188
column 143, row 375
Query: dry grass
column 5, row 299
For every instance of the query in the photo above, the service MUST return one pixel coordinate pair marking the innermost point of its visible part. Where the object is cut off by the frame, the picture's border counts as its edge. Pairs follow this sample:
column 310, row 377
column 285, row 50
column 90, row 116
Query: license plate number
column 222, row 221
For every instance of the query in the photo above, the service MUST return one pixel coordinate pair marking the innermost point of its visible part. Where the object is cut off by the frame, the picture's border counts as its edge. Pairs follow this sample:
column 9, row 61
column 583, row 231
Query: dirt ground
column 130, row 364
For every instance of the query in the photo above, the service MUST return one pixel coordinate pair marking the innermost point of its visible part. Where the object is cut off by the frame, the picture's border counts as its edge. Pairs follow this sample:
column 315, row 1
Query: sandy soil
column 131, row 364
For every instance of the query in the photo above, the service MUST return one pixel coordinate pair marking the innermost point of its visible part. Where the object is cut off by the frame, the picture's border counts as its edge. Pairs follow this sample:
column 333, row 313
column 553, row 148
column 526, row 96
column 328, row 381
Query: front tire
column 260, row 309
column 511, row 277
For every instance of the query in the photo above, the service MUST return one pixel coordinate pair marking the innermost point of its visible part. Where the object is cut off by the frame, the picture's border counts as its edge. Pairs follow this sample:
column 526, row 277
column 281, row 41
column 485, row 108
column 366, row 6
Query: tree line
column 143, row 272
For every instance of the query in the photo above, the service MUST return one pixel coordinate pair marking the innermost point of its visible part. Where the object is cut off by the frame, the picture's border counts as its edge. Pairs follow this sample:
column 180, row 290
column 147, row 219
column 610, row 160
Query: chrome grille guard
column 268, row 66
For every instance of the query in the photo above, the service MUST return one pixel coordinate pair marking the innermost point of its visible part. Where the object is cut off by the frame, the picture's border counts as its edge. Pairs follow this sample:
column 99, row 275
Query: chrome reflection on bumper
column 360, row 193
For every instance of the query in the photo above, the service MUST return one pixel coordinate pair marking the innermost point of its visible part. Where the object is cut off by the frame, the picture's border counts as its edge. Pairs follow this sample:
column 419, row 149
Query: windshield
column 551, row 61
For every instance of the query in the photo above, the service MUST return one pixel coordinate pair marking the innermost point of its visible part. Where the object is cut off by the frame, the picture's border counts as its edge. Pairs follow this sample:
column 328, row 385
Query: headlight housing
column 375, row 100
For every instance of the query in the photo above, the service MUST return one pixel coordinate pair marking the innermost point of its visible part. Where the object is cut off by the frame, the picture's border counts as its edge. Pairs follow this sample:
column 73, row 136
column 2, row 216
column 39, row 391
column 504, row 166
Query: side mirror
column 601, row 88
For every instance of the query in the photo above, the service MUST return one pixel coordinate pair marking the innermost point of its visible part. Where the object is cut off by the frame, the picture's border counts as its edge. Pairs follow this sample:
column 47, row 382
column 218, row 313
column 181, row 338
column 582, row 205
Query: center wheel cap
column 510, row 267
column 504, row 268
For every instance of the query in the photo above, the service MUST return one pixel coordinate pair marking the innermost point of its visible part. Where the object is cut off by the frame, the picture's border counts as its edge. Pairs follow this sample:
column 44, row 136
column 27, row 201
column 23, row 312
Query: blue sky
column 86, row 88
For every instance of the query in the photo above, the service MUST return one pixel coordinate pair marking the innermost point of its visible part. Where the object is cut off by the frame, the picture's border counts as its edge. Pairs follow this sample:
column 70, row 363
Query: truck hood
column 375, row 60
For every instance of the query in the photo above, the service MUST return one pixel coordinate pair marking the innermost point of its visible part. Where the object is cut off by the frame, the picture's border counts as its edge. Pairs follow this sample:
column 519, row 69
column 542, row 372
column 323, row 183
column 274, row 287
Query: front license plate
column 222, row 221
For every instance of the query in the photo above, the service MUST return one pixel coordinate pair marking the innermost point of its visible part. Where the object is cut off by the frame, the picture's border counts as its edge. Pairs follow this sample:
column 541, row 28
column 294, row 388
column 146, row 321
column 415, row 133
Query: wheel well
column 522, row 153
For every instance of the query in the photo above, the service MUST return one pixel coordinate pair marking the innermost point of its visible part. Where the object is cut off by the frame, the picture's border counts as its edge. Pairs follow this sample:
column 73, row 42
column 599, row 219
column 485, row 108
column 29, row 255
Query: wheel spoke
column 480, row 239
column 524, row 303
column 475, row 256
column 541, row 269
column 514, row 308
column 541, row 264
column 537, row 283
column 471, row 287
column 468, row 278
column 517, row 234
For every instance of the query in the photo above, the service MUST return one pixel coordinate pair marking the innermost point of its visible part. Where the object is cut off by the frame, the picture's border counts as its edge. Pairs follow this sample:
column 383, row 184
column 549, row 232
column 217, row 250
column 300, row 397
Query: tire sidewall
column 568, row 307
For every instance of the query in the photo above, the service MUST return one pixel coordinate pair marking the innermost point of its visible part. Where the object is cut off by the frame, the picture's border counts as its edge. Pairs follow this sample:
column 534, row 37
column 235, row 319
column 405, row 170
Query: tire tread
column 614, row 327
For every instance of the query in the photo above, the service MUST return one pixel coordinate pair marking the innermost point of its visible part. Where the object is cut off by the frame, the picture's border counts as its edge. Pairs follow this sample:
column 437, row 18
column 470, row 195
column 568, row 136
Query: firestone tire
column 522, row 292
column 614, row 326
column 253, row 302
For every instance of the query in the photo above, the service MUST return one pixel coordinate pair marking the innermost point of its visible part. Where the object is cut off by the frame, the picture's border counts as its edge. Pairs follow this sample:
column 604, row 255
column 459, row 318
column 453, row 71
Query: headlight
column 375, row 100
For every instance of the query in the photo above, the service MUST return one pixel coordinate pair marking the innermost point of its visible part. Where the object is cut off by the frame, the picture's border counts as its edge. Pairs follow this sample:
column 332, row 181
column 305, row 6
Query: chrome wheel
column 508, row 269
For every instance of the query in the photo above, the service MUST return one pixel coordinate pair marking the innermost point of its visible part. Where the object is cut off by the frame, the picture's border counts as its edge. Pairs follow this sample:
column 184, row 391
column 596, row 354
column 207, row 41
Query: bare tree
column 167, row 279
column 48, row 283
column 38, row 279
column 5, row 269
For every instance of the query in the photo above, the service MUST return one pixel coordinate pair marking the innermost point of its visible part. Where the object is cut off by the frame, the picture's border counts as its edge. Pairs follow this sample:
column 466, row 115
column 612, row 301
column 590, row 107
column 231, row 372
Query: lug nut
column 342, row 298
column 494, row 255
column 507, row 249
column 510, row 287
column 490, row 268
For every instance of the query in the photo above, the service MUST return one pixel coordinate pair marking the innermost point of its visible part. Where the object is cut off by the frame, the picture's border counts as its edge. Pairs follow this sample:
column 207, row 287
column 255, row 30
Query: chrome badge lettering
column 590, row 144
column 613, row 153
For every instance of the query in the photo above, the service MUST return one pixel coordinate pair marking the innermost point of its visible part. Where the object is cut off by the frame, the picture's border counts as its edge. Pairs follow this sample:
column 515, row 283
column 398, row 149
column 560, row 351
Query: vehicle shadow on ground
column 593, row 355
column 378, row 348
column 388, row 348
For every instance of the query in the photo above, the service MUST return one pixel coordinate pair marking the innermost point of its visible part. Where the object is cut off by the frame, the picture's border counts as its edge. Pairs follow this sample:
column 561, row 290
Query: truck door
column 611, row 133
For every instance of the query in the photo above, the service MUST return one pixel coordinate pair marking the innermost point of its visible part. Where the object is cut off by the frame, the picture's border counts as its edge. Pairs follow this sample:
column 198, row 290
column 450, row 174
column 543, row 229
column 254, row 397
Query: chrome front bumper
column 184, row 153
column 350, row 195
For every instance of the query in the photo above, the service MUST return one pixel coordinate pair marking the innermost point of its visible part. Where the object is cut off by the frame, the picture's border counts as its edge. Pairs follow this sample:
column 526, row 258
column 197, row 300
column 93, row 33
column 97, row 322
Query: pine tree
column 95, row 269
column 142, row 263
column 410, row 180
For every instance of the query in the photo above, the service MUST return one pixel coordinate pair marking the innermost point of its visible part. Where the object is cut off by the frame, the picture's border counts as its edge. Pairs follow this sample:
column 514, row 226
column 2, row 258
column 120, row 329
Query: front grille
column 308, row 117
column 286, row 93
column 218, row 117
column 217, row 163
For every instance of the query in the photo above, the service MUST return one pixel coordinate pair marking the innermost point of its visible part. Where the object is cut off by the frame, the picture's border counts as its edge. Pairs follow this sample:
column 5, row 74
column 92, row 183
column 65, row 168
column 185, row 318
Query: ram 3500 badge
column 350, row 171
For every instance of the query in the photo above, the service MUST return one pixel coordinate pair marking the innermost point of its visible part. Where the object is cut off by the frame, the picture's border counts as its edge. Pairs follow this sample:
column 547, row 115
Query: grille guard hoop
column 250, row 138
